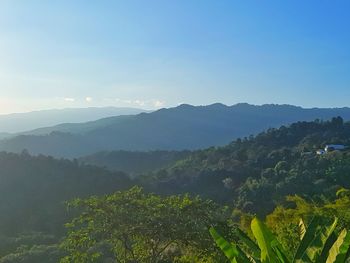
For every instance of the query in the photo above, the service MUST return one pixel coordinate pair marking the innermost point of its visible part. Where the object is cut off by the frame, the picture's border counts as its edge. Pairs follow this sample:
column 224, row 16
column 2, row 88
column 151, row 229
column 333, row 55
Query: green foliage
column 34, row 189
column 339, row 251
column 254, row 174
column 314, row 241
column 285, row 219
column 29, row 248
column 258, row 172
column 231, row 251
column 139, row 227
column 34, row 254
column 271, row 250
column 33, row 192
column 126, row 161
column 318, row 244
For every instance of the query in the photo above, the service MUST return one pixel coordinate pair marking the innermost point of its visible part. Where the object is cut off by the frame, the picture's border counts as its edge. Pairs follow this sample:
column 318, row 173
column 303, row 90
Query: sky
column 158, row 53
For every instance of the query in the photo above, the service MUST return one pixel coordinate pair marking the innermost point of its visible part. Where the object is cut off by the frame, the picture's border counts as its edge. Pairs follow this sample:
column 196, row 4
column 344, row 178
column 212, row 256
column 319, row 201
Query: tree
column 133, row 226
column 337, row 122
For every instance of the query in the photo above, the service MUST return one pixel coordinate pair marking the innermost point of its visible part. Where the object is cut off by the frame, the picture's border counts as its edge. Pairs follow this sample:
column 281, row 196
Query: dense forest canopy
column 134, row 162
column 258, row 172
column 249, row 176
column 33, row 190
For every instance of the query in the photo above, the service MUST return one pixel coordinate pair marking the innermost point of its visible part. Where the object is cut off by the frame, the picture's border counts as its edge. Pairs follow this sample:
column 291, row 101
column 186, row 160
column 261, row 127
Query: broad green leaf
column 327, row 246
column 314, row 240
column 309, row 236
column 231, row 251
column 281, row 255
column 250, row 244
column 327, row 238
column 340, row 248
column 267, row 243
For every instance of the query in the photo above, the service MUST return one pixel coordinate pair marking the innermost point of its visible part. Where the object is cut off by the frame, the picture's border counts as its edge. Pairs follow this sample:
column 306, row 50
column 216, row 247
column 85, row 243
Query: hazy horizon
column 167, row 107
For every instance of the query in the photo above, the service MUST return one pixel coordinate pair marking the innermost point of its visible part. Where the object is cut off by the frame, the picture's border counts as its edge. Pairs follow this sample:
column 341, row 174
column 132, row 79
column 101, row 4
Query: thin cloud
column 88, row 99
column 140, row 102
column 154, row 103
column 158, row 103
column 69, row 99
column 132, row 102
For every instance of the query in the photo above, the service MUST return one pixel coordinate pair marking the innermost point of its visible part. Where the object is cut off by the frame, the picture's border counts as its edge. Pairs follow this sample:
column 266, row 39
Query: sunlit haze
column 153, row 54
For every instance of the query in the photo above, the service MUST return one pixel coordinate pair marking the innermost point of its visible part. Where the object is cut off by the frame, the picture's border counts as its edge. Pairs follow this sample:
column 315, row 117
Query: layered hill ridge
column 185, row 127
column 21, row 122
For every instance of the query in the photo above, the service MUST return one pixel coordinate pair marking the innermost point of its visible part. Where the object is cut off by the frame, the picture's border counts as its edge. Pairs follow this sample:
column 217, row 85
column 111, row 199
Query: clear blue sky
column 146, row 53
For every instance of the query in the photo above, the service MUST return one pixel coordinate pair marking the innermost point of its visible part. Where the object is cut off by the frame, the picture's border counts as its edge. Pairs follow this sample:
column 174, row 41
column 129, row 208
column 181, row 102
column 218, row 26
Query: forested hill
column 258, row 172
column 252, row 174
column 33, row 190
column 134, row 162
column 183, row 127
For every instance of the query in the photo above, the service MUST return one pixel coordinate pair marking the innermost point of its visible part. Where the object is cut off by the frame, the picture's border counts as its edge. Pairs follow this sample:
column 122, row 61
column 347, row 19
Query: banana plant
column 319, row 244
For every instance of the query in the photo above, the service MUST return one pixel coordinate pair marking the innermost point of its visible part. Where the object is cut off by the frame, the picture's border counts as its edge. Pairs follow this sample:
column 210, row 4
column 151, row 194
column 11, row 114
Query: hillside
column 257, row 173
column 184, row 127
column 22, row 122
column 134, row 162
column 253, row 175
column 33, row 190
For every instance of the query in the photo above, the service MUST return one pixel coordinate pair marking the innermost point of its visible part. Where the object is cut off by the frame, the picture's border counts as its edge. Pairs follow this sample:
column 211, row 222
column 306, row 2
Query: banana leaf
column 314, row 240
column 271, row 250
column 231, row 251
column 339, row 251
column 255, row 250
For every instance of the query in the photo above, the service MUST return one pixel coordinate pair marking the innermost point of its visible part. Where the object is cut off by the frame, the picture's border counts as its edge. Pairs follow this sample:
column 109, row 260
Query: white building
column 334, row 147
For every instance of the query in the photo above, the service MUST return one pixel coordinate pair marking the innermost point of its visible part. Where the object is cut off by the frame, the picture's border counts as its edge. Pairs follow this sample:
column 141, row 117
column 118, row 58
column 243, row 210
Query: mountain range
column 185, row 127
column 21, row 122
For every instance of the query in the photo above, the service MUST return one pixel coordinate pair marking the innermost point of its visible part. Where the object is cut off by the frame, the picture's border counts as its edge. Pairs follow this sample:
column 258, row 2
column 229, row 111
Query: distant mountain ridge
column 22, row 122
column 185, row 127
column 78, row 128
